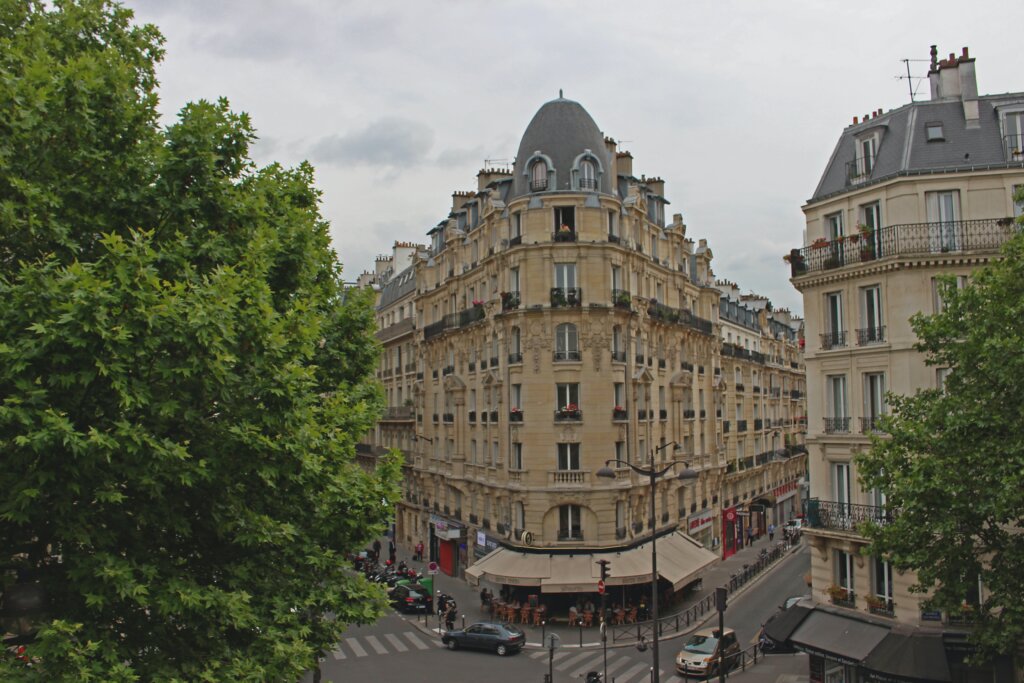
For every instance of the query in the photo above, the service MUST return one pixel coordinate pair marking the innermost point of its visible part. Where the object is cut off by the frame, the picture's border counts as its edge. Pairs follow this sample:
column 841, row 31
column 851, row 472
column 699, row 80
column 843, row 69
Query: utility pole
column 721, row 594
column 601, row 588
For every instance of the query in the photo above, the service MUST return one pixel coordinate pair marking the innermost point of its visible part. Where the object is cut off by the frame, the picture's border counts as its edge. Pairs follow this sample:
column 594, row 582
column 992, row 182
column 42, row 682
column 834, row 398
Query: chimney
column 955, row 77
column 624, row 163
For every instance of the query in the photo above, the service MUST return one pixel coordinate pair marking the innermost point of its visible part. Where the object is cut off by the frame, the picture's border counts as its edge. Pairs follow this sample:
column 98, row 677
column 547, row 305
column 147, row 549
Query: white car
column 795, row 523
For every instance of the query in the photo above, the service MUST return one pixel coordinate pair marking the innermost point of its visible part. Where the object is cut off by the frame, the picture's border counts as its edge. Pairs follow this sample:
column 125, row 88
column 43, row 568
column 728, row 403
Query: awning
column 782, row 624
column 846, row 640
column 680, row 559
column 909, row 657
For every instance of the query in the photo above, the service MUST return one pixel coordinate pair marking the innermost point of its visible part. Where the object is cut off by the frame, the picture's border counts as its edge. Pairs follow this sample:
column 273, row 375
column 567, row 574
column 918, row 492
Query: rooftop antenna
column 910, row 79
column 559, row 93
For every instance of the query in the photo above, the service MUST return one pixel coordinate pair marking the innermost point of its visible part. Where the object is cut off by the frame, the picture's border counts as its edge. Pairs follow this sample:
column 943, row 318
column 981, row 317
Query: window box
column 515, row 415
column 619, row 413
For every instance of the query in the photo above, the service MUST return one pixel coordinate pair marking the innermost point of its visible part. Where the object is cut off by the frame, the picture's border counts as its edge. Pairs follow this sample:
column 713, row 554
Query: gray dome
column 561, row 131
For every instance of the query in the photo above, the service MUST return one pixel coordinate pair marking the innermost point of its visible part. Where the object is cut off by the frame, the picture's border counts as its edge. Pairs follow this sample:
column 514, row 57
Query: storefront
column 484, row 545
column 700, row 527
column 786, row 502
column 732, row 532
column 446, row 537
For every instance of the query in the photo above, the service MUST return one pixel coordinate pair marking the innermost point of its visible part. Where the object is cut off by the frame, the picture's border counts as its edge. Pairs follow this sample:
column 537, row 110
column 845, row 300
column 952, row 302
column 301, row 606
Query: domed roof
column 561, row 131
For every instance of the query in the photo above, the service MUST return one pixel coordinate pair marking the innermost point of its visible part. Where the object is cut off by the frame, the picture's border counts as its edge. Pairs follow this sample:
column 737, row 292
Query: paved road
column 399, row 648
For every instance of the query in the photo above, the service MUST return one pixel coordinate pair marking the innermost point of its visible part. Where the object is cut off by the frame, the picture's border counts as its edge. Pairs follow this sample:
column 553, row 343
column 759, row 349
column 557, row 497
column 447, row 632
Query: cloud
column 388, row 142
column 459, row 157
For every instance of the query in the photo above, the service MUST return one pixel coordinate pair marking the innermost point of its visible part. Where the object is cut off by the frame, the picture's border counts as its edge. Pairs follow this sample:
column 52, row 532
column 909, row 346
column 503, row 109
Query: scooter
column 594, row 677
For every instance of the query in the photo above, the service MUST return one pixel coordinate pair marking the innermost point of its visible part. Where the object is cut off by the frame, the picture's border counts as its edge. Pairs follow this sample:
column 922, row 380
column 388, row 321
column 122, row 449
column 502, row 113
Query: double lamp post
column 653, row 473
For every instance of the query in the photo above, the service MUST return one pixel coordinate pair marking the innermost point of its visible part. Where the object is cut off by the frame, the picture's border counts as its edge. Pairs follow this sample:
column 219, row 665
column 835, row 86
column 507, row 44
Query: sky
column 736, row 105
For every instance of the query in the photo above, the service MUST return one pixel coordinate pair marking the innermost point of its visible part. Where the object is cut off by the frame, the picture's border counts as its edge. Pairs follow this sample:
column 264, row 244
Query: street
column 398, row 649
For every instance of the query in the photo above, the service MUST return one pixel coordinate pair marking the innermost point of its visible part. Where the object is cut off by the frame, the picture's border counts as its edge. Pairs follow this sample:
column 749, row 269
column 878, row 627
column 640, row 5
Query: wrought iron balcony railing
column 870, row 335
column 588, row 183
column 833, row 340
column 509, row 301
column 539, row 184
column 1013, row 145
column 562, row 297
column 837, row 425
column 621, row 298
column 515, row 357
column 561, row 356
column 836, row 516
column 563, row 236
column 907, row 239
column 870, row 425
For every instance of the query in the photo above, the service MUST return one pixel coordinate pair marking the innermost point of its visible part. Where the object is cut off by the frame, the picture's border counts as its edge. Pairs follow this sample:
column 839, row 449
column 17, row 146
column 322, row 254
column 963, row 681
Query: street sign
column 432, row 568
column 600, row 587
column 554, row 642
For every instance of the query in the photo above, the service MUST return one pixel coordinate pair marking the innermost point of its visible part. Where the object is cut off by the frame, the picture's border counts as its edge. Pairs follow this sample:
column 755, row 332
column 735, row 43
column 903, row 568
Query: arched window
column 539, row 176
column 588, row 175
column 566, row 342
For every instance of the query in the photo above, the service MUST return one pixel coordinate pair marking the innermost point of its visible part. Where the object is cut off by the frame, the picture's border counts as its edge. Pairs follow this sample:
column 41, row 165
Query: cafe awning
column 909, row 657
column 680, row 559
column 845, row 640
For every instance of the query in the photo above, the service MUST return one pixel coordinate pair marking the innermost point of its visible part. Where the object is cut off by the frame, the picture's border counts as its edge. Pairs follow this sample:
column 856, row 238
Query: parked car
column 702, row 652
column 412, row 599
column 485, row 635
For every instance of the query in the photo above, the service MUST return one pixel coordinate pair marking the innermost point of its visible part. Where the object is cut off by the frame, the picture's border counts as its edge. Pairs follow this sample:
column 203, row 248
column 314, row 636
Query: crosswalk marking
column 376, row 645
column 538, row 654
column 337, row 652
column 393, row 639
column 562, row 666
column 356, row 647
column 622, row 678
column 621, row 662
column 420, row 645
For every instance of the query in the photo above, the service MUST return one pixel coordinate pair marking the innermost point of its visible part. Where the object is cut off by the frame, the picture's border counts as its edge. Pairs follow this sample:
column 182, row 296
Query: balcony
column 563, row 236
column 639, row 359
column 907, row 239
column 567, row 477
column 833, row 340
column 588, row 184
column 563, row 297
column 509, row 301
column 515, row 357
column 881, row 606
column 871, row 425
column 614, row 239
column 741, row 425
column 661, row 363
column 642, row 414
column 448, row 370
column 494, row 416
column 568, row 414
column 725, row 427
column 859, row 170
column 573, row 534
column 448, row 417
column 689, row 414
column 515, row 240
column 678, row 316
column 618, row 356
column 833, row 516
column 1013, row 147
column 740, row 388
column 619, row 414
column 563, row 356
column 837, row 425
column 472, row 416
column 758, row 425
column 662, row 414
column 539, row 184
column 621, row 298
column 494, row 362
column 515, row 415
column 399, row 413
column 871, row 335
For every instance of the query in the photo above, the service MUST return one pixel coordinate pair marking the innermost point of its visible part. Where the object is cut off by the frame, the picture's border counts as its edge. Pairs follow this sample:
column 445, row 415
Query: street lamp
column 653, row 474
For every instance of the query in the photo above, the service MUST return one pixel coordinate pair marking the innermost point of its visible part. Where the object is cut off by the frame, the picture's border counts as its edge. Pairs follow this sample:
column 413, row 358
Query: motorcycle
column 594, row 677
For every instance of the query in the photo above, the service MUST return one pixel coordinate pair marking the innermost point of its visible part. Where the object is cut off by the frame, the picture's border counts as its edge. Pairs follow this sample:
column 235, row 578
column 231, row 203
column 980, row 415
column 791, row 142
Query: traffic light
column 604, row 568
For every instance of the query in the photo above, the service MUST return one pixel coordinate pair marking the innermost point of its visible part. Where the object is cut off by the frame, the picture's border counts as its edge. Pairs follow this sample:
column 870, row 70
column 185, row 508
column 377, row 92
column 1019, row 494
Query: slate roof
column 397, row 287
column 561, row 129
column 905, row 150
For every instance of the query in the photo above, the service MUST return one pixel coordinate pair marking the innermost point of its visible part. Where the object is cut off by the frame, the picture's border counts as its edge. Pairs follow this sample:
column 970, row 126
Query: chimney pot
column 855, row 120
column 965, row 55
column 952, row 59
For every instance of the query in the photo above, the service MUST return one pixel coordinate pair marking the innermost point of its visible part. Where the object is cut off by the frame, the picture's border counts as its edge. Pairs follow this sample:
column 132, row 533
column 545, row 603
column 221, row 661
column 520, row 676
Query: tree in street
column 183, row 375
column 952, row 465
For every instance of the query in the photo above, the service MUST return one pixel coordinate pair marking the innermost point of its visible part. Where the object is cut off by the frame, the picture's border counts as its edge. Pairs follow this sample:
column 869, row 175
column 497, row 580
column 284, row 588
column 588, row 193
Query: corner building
column 908, row 195
column 559, row 322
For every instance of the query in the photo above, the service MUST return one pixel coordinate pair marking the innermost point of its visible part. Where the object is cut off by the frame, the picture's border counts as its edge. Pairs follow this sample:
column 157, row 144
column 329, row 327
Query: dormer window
column 865, row 152
column 538, row 176
column 588, row 175
column 933, row 132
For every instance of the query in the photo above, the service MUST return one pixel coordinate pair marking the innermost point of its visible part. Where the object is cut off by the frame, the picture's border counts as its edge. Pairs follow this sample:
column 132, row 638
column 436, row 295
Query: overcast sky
column 737, row 105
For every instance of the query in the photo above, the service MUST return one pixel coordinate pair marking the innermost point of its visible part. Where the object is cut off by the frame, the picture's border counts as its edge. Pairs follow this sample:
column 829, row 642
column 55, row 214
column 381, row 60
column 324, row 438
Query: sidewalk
column 718, row 574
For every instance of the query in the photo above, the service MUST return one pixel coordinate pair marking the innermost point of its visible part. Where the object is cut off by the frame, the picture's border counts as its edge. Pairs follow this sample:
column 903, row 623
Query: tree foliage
column 183, row 375
column 953, row 468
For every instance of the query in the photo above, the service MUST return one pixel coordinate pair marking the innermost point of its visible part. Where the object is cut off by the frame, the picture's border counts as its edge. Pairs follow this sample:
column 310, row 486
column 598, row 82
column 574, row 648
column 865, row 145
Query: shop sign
column 484, row 545
column 785, row 491
column 699, row 522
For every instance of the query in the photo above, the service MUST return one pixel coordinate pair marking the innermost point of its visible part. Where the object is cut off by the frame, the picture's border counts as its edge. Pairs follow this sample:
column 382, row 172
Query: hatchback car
column 701, row 653
column 411, row 599
column 485, row 635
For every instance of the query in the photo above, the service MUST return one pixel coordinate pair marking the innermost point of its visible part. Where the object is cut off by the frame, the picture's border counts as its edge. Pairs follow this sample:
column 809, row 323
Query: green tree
column 183, row 375
column 952, row 467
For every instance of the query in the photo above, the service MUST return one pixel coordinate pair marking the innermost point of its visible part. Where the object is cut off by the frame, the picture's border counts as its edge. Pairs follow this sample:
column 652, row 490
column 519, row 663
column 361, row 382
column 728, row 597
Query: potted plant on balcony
column 622, row 299
column 837, row 593
column 867, row 249
column 478, row 303
column 618, row 413
column 876, row 604
column 819, row 243
column 515, row 414
column 570, row 411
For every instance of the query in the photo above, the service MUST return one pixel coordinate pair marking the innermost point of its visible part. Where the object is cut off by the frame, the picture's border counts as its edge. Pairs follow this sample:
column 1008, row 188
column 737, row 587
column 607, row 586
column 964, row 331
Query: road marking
column 621, row 662
column 337, row 652
column 393, row 639
column 356, row 647
column 538, row 654
column 632, row 672
column 575, row 660
column 416, row 641
column 376, row 645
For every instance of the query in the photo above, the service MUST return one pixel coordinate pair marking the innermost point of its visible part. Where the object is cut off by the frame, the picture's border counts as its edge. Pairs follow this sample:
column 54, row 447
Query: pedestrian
column 771, row 532
column 392, row 551
column 419, row 551
column 376, row 550
column 449, row 616
column 750, row 535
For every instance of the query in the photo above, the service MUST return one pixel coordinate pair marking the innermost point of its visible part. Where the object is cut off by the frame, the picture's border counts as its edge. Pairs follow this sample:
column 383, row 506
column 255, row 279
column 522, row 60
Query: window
column 874, row 400
column 565, row 218
column 871, row 330
column 616, row 278
column 933, row 132
column 618, row 353
column 516, row 395
column 844, row 570
column 517, row 226
column 883, row 579
column 514, row 344
column 565, row 275
column 569, row 527
column 588, row 175
column 538, row 176
column 566, row 343
column 943, row 210
column 837, row 418
column 620, row 515
column 518, row 515
column 1018, row 204
column 613, row 225
column 619, row 394
column 841, row 483
column 1013, row 134
column 620, row 451
column 941, row 375
column 937, row 303
column 865, row 155
column 834, row 225
column 566, row 395
column 835, row 333
column 495, row 454
column 568, row 456
column 515, row 457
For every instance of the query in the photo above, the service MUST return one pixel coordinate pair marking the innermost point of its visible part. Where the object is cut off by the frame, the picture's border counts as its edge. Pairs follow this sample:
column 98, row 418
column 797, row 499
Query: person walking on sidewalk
column 449, row 616
column 376, row 550
column 771, row 532
column 419, row 551
column 750, row 535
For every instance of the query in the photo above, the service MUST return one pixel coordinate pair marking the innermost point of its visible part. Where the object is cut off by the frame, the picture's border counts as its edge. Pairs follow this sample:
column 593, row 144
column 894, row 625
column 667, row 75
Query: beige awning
column 680, row 559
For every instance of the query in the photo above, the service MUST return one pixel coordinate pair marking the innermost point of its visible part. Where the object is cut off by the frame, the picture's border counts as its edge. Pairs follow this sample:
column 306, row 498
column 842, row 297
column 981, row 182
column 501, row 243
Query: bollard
column 463, row 622
column 581, row 633
column 543, row 629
